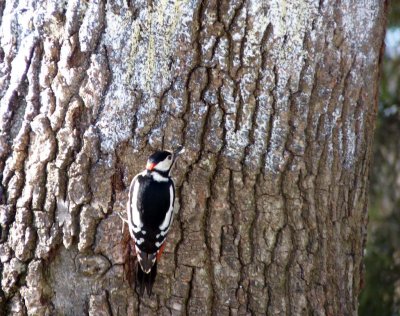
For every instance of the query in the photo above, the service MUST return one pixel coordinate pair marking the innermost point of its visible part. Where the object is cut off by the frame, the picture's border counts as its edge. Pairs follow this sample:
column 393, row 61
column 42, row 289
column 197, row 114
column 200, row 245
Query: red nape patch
column 160, row 251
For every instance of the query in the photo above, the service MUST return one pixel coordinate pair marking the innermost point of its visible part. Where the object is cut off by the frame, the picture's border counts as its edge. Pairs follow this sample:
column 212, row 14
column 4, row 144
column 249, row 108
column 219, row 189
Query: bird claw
column 124, row 221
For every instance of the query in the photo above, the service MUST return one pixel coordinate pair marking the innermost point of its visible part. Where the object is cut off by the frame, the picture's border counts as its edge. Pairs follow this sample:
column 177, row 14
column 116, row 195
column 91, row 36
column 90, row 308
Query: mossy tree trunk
column 275, row 102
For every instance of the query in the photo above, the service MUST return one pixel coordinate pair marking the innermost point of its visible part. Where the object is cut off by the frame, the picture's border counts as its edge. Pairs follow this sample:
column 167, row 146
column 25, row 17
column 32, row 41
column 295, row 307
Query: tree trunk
column 275, row 103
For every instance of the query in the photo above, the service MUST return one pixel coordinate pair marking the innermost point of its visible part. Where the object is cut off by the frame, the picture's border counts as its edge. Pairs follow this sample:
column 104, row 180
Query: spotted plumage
column 150, row 214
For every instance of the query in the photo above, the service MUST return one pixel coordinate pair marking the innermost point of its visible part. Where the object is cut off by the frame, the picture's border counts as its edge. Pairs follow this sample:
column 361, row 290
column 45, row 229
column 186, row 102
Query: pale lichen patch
column 91, row 28
column 141, row 65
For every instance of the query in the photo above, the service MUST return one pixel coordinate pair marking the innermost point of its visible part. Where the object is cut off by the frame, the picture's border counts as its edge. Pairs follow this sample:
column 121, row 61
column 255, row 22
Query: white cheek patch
column 164, row 165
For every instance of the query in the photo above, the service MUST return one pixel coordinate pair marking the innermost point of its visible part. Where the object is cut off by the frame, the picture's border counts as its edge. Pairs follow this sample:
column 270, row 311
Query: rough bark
column 275, row 103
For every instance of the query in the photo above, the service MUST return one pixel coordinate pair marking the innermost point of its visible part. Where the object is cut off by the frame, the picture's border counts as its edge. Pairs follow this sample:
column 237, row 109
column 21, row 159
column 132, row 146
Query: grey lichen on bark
column 275, row 103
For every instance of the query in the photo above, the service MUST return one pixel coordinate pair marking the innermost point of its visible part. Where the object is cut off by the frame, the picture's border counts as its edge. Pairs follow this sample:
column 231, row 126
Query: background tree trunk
column 275, row 103
column 381, row 294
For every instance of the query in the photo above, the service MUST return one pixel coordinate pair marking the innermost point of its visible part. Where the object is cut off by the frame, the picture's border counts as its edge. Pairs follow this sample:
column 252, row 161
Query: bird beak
column 150, row 166
column 179, row 150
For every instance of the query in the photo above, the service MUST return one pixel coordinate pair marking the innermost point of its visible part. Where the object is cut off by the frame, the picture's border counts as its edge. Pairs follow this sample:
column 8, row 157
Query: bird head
column 162, row 161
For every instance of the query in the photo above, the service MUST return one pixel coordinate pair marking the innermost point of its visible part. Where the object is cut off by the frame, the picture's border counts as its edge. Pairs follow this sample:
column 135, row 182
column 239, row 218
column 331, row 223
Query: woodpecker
column 150, row 214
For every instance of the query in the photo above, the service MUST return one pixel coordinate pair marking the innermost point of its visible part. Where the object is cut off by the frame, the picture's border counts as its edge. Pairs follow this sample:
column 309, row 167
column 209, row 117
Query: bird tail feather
column 145, row 281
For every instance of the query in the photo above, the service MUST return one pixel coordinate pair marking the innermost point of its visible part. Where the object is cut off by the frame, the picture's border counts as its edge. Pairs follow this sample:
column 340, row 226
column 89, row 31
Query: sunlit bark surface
column 275, row 103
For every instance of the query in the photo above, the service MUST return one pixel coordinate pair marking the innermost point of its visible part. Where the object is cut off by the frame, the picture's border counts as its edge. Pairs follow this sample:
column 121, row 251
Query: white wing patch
column 163, row 233
column 135, row 212
column 134, row 222
column 167, row 220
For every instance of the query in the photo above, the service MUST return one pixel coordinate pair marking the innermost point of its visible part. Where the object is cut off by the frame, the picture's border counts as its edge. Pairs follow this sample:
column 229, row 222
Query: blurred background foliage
column 381, row 293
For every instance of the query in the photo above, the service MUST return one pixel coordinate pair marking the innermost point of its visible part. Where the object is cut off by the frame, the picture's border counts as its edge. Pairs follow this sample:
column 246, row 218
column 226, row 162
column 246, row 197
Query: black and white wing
column 150, row 214
column 134, row 220
column 168, row 218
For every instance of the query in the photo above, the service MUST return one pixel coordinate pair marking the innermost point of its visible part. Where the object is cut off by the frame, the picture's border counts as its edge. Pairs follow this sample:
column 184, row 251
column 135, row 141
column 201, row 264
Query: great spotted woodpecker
column 150, row 213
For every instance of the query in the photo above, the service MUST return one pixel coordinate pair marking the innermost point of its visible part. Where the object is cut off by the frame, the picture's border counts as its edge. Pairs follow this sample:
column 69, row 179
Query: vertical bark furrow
column 19, row 67
column 274, row 103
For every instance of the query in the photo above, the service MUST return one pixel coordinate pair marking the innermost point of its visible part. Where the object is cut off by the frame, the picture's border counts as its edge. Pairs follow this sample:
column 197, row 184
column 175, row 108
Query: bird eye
column 169, row 157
